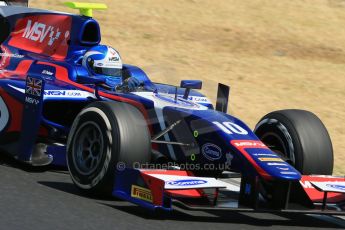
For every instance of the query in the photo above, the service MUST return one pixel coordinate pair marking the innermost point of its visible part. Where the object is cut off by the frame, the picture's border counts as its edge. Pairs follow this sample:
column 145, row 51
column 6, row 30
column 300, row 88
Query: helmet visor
column 114, row 72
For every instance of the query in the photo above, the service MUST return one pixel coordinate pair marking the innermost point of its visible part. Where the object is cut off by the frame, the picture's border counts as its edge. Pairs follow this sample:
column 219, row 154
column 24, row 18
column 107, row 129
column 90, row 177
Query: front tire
column 103, row 135
column 300, row 138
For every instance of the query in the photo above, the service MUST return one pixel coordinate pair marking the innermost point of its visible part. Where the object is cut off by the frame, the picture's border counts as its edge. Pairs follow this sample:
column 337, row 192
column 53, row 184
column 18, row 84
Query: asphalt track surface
column 47, row 199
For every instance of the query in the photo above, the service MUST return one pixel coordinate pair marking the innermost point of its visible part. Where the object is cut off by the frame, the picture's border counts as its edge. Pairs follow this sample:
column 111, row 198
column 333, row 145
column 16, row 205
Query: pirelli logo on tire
column 141, row 193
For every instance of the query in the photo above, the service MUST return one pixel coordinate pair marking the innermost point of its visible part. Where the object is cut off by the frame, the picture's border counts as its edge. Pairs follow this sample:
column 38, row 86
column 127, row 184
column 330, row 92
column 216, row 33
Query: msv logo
column 186, row 182
column 340, row 187
column 211, row 152
column 39, row 32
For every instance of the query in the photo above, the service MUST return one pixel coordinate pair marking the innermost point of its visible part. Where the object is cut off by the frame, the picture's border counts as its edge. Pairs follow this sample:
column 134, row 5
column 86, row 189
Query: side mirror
column 190, row 84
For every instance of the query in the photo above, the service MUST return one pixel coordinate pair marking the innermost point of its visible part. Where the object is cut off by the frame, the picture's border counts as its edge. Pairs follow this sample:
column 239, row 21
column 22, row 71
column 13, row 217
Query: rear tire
column 102, row 135
column 300, row 138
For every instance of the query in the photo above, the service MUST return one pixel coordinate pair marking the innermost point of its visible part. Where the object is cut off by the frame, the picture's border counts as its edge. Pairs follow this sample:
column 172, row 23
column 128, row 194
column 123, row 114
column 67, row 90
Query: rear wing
column 44, row 32
column 15, row 3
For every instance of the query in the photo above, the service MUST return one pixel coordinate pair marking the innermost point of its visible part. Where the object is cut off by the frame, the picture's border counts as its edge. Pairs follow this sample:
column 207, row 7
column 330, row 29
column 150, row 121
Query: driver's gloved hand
column 133, row 83
column 130, row 84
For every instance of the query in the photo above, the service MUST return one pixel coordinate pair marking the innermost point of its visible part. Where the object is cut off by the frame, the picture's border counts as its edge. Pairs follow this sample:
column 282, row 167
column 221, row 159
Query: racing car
column 108, row 131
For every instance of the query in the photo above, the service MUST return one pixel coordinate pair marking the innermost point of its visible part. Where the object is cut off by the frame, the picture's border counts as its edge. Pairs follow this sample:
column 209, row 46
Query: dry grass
column 274, row 54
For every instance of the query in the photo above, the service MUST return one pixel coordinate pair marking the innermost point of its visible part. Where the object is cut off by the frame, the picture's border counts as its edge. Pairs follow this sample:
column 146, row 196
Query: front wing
column 165, row 189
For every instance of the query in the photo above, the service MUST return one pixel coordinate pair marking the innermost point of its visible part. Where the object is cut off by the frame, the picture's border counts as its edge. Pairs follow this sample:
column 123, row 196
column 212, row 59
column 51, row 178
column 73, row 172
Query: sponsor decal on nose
column 272, row 159
column 211, row 151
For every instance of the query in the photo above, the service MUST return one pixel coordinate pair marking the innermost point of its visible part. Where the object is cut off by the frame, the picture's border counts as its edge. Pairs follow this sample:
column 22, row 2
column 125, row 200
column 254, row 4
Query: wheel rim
column 88, row 148
column 277, row 145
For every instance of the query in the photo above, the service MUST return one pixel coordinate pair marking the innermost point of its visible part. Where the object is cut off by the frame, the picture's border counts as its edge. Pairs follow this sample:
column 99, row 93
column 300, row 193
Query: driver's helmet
column 104, row 61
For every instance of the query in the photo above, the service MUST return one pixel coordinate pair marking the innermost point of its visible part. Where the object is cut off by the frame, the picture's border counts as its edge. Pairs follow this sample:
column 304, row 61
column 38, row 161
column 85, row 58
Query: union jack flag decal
column 33, row 86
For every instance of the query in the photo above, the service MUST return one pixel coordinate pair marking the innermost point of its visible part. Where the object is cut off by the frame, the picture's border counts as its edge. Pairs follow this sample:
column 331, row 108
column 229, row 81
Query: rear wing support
column 31, row 118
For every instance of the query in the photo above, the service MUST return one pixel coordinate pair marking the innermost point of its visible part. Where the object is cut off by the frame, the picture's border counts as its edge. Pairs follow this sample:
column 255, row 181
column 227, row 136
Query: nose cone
column 267, row 163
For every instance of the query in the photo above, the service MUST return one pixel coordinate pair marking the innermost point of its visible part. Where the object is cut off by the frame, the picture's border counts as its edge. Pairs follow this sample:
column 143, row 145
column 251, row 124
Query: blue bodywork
column 47, row 117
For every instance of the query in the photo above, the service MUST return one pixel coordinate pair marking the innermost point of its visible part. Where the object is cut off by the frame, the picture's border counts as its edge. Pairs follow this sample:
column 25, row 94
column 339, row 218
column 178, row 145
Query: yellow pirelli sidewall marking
column 270, row 159
column 141, row 193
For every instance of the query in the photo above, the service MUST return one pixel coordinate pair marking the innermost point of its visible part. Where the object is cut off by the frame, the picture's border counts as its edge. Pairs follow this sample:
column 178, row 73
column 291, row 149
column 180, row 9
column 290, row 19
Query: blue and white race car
column 67, row 100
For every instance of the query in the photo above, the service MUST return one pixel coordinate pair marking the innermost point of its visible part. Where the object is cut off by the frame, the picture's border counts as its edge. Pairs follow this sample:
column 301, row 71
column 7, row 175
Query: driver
column 105, row 62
